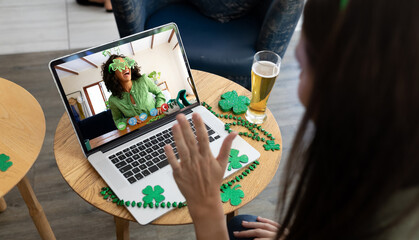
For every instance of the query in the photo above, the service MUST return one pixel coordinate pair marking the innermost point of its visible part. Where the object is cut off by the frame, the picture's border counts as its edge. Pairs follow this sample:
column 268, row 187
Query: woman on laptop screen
column 130, row 90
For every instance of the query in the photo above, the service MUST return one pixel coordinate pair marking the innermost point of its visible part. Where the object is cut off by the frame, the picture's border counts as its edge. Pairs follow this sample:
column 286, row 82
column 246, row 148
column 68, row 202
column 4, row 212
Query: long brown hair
column 365, row 106
column 111, row 80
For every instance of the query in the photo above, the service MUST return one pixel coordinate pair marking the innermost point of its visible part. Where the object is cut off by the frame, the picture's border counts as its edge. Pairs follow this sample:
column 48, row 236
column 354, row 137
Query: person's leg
column 235, row 224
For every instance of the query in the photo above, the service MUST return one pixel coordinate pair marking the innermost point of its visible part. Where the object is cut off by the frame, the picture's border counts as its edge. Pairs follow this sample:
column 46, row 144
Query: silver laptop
column 127, row 150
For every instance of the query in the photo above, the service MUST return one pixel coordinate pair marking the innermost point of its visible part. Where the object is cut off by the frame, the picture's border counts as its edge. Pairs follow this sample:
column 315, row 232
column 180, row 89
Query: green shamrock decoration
column 130, row 62
column 270, row 145
column 117, row 65
column 235, row 161
column 231, row 100
column 4, row 162
column 153, row 194
column 234, row 195
column 120, row 66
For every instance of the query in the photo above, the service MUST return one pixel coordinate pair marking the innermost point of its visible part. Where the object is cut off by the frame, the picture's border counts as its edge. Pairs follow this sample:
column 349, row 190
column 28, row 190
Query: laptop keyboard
column 142, row 159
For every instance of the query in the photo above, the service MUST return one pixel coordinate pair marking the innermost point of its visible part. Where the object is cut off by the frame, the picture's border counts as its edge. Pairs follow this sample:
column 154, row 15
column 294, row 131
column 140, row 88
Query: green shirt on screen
column 122, row 108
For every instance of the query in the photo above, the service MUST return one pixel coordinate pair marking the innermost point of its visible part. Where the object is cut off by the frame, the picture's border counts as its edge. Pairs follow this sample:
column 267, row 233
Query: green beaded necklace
column 109, row 195
column 256, row 133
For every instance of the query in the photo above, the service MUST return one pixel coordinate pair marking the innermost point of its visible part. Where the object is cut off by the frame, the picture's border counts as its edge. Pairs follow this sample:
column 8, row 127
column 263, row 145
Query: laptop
column 123, row 138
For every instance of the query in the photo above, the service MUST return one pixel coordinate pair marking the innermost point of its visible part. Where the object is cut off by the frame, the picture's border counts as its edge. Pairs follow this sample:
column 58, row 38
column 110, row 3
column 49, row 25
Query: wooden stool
column 22, row 125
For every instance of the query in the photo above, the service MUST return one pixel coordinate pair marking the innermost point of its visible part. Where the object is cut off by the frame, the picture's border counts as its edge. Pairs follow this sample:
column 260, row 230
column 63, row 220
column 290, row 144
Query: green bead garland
column 239, row 121
column 106, row 191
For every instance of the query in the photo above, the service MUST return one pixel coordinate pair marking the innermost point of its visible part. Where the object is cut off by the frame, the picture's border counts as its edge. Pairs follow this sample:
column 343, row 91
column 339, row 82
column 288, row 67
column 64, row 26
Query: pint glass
column 265, row 70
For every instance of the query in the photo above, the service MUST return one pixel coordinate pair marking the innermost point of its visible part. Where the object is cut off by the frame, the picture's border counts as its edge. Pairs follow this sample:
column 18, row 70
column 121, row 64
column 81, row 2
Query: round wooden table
column 86, row 182
column 22, row 125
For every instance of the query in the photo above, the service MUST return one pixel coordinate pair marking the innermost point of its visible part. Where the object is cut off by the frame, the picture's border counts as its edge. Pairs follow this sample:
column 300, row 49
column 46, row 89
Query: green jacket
column 123, row 109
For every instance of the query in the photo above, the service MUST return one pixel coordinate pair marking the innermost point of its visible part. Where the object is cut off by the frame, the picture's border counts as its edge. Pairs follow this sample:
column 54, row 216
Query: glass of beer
column 265, row 70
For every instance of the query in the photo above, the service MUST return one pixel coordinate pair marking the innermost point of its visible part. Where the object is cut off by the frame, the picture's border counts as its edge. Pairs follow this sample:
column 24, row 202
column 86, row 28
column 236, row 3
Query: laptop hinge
column 144, row 130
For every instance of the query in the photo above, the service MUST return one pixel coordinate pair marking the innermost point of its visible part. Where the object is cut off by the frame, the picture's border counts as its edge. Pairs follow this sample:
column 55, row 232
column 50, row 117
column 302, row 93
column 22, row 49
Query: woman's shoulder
column 114, row 99
column 143, row 80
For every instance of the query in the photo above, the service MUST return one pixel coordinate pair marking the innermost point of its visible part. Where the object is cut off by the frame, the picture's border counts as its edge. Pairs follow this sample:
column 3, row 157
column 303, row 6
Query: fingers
column 188, row 137
column 172, row 159
column 269, row 221
column 181, row 145
column 255, row 233
column 138, row 119
column 261, row 225
column 225, row 149
column 201, row 135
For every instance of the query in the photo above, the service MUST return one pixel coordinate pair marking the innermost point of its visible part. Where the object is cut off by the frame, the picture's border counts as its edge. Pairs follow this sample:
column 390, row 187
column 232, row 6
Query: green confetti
column 4, row 162
column 151, row 194
column 270, row 145
column 233, row 195
column 231, row 100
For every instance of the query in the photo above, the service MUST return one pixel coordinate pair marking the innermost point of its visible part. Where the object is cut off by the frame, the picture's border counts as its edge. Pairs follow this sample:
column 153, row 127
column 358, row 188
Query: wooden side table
column 22, row 125
column 86, row 182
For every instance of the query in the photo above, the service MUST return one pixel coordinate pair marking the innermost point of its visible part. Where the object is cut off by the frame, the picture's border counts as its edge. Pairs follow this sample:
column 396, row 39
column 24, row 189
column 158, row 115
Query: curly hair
column 111, row 80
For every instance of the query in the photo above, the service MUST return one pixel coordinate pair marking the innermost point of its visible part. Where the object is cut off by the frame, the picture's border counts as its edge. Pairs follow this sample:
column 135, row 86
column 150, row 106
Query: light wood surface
column 86, row 182
column 22, row 125
column 3, row 205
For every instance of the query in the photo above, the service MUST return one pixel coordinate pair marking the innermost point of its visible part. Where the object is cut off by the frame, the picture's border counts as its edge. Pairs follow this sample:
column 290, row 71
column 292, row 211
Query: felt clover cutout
column 270, row 145
column 235, row 161
column 4, row 162
column 233, row 194
column 231, row 100
column 153, row 194
column 117, row 65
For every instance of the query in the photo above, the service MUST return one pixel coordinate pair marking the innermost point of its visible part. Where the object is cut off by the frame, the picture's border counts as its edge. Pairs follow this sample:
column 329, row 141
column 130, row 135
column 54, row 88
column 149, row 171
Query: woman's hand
column 262, row 229
column 199, row 175
column 136, row 117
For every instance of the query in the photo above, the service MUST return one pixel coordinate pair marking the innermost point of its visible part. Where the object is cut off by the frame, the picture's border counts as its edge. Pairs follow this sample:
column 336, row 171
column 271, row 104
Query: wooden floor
column 70, row 216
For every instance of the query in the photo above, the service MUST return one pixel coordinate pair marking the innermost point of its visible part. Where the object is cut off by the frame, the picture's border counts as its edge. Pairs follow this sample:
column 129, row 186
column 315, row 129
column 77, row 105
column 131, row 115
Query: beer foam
column 265, row 69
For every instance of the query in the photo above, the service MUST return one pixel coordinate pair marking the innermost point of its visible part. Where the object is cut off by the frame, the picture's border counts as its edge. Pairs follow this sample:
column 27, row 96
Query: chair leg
column 35, row 210
column 122, row 228
column 232, row 215
column 3, row 205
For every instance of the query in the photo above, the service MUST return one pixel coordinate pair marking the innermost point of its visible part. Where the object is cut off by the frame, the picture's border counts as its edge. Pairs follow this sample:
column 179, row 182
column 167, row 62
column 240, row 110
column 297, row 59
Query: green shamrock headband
column 118, row 65
column 343, row 4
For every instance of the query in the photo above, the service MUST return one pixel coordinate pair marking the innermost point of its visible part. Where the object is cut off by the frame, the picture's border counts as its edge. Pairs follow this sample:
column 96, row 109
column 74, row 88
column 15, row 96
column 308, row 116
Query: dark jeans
column 235, row 224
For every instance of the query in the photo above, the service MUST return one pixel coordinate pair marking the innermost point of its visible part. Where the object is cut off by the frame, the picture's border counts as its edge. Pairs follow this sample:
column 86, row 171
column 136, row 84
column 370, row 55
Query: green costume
column 122, row 108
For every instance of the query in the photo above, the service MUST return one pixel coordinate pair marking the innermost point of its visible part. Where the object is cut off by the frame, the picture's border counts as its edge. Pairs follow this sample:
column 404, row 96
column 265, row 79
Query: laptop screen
column 123, row 86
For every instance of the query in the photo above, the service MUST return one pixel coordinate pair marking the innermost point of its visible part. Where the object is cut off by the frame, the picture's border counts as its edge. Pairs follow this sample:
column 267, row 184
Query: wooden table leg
column 3, row 205
column 232, row 215
column 35, row 210
column 122, row 228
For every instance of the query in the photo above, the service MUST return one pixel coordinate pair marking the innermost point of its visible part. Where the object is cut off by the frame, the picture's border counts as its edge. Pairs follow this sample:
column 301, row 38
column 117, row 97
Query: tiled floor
column 45, row 25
